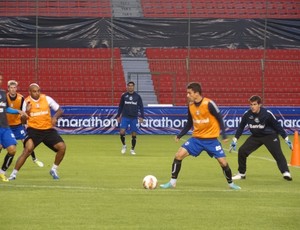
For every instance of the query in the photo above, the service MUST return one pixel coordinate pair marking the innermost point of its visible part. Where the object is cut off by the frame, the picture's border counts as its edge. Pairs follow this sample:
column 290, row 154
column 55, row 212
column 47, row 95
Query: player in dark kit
column 264, row 130
column 128, row 115
column 7, row 138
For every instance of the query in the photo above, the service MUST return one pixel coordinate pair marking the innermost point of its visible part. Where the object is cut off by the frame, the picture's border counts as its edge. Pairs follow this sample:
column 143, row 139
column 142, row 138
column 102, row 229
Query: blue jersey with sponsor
column 130, row 105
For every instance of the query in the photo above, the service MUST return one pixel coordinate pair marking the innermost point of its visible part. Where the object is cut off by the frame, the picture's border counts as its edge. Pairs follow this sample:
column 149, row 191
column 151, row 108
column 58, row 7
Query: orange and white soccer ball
column 150, row 182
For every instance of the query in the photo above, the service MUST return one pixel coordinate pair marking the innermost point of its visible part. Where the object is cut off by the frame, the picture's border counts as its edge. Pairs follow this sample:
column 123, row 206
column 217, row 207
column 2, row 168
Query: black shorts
column 49, row 137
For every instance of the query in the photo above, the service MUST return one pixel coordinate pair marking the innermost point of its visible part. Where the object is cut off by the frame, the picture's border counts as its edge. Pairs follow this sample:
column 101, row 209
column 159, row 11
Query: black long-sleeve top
column 130, row 105
column 260, row 124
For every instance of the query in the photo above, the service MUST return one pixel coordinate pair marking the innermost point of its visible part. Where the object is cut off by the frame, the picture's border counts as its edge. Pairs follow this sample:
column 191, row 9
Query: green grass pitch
column 102, row 189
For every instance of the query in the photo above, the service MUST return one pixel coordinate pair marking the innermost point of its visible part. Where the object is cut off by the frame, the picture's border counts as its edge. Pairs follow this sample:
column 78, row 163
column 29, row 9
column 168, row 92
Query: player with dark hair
column 130, row 114
column 16, row 101
column 7, row 138
column 40, row 129
column 206, row 120
column 264, row 129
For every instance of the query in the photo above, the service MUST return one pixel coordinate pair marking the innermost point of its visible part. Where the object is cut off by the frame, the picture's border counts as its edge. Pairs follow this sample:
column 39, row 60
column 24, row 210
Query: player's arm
column 215, row 111
column 276, row 125
column 55, row 107
column 11, row 110
column 15, row 111
column 141, row 107
column 23, row 108
column 187, row 126
column 121, row 105
column 239, row 132
column 58, row 113
column 241, row 127
column 279, row 129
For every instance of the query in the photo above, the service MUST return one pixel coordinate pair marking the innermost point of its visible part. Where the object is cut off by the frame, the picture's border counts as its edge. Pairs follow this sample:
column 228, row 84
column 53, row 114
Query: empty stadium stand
column 221, row 9
column 72, row 76
column 230, row 77
column 92, row 77
column 56, row 8
column 153, row 8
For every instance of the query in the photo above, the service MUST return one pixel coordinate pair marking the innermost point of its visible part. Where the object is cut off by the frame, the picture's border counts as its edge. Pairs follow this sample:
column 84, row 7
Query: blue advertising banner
column 159, row 120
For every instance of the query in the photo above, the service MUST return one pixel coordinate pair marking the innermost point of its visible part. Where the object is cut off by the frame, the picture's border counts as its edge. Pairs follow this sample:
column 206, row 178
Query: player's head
column 195, row 87
column 255, row 103
column 194, row 92
column 256, row 98
column 12, row 86
column 130, row 87
column 34, row 91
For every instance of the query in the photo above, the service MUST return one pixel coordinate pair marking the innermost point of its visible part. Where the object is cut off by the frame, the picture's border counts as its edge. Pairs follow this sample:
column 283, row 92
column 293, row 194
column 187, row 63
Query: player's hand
column 233, row 145
column 28, row 106
column 289, row 143
column 225, row 140
column 141, row 120
column 23, row 114
column 119, row 119
column 24, row 119
column 54, row 120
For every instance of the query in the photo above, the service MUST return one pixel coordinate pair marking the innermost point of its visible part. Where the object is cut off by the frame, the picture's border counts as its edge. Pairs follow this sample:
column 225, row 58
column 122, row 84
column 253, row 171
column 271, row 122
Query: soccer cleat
column 132, row 152
column 123, row 151
column 239, row 176
column 287, row 176
column 3, row 177
column 12, row 177
column 234, row 186
column 167, row 185
column 53, row 173
column 39, row 163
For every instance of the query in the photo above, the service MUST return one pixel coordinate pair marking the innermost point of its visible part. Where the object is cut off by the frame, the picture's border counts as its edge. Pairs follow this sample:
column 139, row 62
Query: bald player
column 16, row 101
column 41, row 129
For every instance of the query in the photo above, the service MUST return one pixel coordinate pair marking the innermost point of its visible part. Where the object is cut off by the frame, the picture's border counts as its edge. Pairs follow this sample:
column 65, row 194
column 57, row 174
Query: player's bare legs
column 61, row 150
column 122, row 137
column 133, row 143
column 28, row 148
column 11, row 151
column 227, row 173
column 176, row 166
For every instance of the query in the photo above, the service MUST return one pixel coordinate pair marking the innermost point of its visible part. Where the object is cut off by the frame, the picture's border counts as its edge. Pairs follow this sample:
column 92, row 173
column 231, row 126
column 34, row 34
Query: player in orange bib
column 16, row 101
column 206, row 120
column 41, row 129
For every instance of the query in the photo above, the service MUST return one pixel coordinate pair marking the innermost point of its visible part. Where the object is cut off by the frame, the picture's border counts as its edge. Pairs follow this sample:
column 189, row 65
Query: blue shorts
column 195, row 146
column 129, row 122
column 19, row 132
column 7, row 138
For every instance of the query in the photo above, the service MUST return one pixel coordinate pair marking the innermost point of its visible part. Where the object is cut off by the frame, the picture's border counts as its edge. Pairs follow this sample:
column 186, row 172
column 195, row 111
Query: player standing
column 130, row 106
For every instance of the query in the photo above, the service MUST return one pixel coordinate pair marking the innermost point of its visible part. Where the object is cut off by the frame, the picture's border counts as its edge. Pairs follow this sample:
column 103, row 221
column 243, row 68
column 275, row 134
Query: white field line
column 141, row 190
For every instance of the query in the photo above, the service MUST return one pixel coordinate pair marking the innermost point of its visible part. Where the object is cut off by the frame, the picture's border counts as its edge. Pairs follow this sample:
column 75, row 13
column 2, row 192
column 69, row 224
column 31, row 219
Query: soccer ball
column 150, row 182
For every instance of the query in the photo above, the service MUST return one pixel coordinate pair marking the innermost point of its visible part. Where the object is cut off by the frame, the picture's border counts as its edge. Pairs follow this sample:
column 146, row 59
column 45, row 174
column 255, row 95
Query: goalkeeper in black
column 264, row 129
